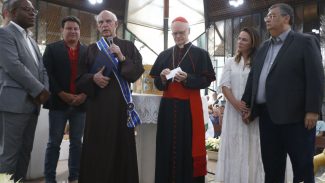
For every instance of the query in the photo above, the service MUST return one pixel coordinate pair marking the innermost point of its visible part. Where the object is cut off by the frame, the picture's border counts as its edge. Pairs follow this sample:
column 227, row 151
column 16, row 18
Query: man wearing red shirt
column 66, row 104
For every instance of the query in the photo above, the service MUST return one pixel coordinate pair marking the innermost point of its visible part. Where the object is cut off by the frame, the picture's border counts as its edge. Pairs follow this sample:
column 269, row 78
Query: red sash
column 178, row 91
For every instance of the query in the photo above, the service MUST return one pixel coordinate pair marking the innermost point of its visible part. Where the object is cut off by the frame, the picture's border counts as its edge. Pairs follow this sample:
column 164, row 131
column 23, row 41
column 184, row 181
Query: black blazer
column 57, row 63
column 295, row 83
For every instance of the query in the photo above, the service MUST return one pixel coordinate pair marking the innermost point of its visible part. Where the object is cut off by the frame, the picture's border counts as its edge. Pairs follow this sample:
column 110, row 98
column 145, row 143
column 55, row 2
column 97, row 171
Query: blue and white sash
column 133, row 117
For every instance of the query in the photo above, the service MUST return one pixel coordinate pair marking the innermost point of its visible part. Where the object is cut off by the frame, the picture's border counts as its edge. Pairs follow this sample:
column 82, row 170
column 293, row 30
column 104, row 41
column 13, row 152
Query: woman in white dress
column 239, row 158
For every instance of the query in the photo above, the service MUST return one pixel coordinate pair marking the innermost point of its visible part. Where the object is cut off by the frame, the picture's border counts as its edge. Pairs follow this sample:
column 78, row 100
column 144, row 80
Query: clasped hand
column 72, row 99
column 245, row 112
column 42, row 97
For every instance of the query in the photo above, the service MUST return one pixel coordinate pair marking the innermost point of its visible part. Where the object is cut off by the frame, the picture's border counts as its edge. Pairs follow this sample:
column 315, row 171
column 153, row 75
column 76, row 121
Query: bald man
column 180, row 145
column 109, row 151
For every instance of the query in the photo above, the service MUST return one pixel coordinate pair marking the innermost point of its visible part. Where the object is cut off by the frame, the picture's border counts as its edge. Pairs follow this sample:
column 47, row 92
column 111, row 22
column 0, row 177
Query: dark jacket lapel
column 82, row 50
column 257, row 68
column 62, row 50
column 260, row 59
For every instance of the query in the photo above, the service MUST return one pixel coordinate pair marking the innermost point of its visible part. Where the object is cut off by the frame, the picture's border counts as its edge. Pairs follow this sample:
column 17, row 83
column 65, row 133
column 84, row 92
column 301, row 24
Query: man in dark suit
column 66, row 103
column 285, row 89
column 23, row 88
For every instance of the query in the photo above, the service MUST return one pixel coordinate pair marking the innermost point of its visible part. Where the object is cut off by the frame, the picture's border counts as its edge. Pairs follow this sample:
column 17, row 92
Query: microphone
column 110, row 42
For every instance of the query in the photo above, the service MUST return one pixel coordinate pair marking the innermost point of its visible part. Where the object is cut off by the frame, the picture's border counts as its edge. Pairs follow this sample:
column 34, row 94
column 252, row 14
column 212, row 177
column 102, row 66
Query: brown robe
column 109, row 151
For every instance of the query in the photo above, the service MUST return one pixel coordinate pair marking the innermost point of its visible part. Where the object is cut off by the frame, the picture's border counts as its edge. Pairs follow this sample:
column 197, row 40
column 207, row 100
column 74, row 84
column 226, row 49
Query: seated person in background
column 320, row 128
column 210, row 109
column 221, row 110
column 214, row 117
column 319, row 159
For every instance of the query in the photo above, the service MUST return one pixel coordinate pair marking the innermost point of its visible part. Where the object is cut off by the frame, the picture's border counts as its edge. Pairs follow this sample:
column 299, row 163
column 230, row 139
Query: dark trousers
column 279, row 140
column 200, row 179
column 57, row 122
column 16, row 142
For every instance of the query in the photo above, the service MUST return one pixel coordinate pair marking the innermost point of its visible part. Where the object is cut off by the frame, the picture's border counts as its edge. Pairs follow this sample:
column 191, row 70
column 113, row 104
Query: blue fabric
column 214, row 119
column 101, row 61
column 215, row 122
column 133, row 117
column 58, row 120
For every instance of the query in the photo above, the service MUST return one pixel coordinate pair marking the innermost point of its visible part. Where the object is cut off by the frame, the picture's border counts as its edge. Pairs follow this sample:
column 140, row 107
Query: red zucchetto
column 180, row 19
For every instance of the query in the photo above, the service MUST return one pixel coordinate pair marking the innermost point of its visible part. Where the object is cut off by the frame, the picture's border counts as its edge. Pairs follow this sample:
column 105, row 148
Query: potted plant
column 212, row 147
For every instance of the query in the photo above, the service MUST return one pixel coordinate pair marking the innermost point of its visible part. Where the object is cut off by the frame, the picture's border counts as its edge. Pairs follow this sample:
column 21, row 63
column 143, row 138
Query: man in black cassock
column 109, row 151
column 180, row 145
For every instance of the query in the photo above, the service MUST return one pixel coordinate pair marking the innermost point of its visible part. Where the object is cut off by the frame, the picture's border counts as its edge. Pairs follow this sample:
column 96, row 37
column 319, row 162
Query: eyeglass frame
column 28, row 9
column 271, row 16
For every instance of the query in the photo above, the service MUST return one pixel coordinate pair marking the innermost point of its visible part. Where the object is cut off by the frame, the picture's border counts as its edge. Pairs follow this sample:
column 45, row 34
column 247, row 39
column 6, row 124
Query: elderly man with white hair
column 180, row 72
column 109, row 151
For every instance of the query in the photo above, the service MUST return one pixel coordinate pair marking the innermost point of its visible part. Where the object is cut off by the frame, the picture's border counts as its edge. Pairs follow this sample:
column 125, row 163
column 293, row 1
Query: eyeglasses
column 29, row 9
column 271, row 17
column 181, row 33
